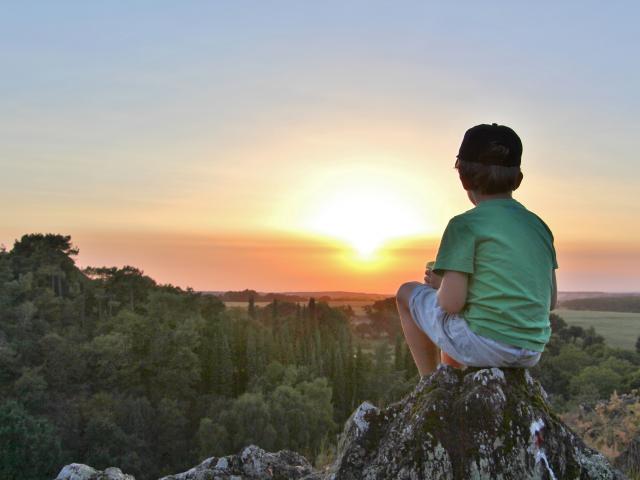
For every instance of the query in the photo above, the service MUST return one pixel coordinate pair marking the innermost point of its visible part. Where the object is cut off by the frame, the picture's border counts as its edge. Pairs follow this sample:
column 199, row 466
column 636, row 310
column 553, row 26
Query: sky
column 294, row 145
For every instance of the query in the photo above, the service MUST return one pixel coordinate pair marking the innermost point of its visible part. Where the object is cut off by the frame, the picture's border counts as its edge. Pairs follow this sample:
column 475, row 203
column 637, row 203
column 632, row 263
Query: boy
column 486, row 302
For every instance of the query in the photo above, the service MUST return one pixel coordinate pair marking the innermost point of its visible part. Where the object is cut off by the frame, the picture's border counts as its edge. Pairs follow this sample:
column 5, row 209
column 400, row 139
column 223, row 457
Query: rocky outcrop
column 472, row 424
column 78, row 471
column 252, row 463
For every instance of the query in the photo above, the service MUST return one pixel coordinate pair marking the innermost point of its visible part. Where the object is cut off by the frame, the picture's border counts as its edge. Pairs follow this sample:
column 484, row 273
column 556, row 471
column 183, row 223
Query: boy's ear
column 518, row 181
column 466, row 184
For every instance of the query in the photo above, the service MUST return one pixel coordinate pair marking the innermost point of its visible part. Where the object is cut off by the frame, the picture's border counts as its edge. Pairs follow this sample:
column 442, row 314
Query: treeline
column 609, row 303
column 106, row 367
column 247, row 294
column 578, row 368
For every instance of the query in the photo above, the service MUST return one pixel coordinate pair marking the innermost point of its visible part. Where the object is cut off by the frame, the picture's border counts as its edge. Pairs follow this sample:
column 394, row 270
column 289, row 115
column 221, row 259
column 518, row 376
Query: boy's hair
column 489, row 179
column 489, row 159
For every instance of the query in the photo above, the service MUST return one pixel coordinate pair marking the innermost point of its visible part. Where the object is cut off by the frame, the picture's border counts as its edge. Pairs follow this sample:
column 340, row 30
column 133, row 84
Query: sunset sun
column 365, row 217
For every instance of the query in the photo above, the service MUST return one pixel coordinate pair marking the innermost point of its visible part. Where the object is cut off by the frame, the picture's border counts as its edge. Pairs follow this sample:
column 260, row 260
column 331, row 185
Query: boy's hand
column 432, row 279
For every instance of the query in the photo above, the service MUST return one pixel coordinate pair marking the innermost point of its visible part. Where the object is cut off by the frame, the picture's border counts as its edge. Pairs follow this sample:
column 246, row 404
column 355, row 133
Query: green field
column 618, row 329
column 244, row 305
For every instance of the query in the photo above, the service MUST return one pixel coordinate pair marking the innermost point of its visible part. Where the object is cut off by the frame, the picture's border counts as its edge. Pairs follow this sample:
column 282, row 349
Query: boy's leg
column 425, row 353
column 448, row 360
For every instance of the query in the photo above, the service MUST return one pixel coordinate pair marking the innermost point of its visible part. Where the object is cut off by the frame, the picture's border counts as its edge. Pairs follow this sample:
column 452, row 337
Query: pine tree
column 313, row 313
column 252, row 307
column 275, row 320
column 239, row 355
column 223, row 367
column 253, row 360
column 359, row 376
column 398, row 360
column 340, row 399
column 409, row 364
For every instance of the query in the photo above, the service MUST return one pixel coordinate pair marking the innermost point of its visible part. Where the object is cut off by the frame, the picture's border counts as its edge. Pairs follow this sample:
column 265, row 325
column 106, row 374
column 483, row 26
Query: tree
column 313, row 313
column 31, row 389
column 29, row 448
column 212, row 438
column 638, row 344
column 64, row 365
column 398, row 360
column 602, row 378
column 171, row 433
column 557, row 323
column 49, row 257
column 384, row 316
column 106, row 443
column 252, row 307
column 360, row 377
column 128, row 286
column 249, row 422
column 223, row 371
column 275, row 321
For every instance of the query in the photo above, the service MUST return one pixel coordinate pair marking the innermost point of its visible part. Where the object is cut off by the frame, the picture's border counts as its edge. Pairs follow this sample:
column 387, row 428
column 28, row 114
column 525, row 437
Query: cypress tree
column 398, row 360
column 313, row 313
column 252, row 307
column 359, row 375
column 223, row 367
column 275, row 321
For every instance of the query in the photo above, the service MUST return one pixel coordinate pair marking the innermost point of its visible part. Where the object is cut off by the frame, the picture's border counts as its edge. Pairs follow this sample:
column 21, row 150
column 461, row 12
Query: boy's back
column 486, row 301
column 509, row 255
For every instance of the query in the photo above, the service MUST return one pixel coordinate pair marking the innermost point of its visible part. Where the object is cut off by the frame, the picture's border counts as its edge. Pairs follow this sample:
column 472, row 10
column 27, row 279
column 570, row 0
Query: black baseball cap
column 477, row 141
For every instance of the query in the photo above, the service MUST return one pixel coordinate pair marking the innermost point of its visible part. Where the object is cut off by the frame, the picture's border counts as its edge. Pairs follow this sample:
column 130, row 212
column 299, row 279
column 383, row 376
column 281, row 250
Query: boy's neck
column 477, row 197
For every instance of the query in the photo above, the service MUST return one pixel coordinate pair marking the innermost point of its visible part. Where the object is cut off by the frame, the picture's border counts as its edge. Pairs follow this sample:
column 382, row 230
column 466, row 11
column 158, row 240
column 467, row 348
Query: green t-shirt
column 509, row 255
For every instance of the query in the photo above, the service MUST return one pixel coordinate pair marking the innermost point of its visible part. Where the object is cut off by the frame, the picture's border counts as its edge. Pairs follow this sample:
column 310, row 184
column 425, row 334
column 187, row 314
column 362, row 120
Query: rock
column 251, row 463
column 78, row 471
column 472, row 424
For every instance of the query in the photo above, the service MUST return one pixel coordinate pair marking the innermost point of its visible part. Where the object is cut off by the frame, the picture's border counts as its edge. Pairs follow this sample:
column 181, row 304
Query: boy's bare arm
column 452, row 294
column 554, row 291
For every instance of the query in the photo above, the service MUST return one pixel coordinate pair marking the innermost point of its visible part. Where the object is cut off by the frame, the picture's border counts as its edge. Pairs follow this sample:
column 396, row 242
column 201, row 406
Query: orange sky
column 290, row 263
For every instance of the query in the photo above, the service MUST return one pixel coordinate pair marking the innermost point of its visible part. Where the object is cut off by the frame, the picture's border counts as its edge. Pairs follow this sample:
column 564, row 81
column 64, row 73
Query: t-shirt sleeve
column 554, row 260
column 457, row 248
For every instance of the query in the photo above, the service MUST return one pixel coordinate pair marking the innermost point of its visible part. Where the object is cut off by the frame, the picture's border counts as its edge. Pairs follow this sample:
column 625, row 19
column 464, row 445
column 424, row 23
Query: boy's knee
column 404, row 293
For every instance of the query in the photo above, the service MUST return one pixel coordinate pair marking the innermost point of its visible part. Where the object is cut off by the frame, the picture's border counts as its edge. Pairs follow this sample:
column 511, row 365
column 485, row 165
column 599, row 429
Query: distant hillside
column 245, row 295
column 629, row 303
column 562, row 296
column 344, row 296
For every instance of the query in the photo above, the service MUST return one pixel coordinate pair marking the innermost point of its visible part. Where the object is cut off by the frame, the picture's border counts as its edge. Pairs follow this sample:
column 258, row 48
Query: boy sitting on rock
column 486, row 301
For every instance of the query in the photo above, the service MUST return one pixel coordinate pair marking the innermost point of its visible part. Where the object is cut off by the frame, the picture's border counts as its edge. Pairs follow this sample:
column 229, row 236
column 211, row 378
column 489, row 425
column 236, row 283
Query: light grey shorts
column 451, row 333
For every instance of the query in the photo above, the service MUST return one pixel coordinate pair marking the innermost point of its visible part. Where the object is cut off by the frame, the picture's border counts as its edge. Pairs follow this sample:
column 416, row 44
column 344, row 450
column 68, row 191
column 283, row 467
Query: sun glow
column 366, row 217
